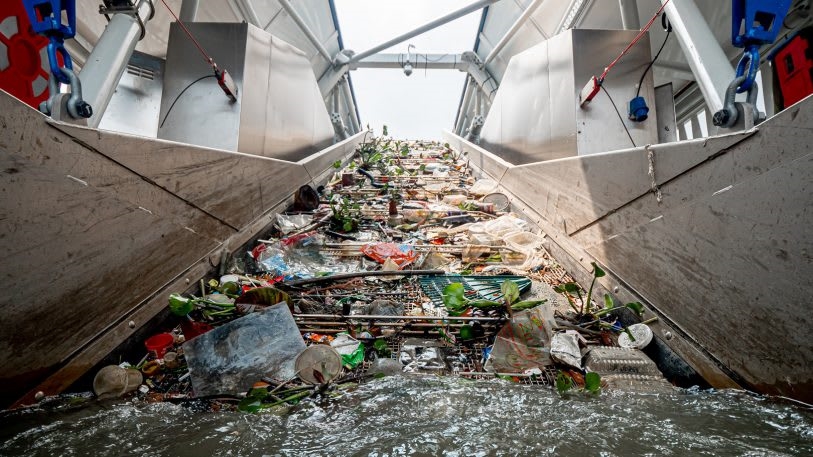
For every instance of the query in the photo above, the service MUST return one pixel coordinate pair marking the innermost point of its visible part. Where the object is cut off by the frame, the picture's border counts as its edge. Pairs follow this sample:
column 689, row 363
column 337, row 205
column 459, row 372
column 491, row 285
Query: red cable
column 633, row 42
column 209, row 60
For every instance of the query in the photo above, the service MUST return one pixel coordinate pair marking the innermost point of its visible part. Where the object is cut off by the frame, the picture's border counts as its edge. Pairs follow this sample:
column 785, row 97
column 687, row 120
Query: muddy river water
column 428, row 416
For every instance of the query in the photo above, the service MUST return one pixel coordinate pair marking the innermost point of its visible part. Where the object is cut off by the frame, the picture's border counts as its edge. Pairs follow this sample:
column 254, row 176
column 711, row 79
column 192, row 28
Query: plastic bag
column 401, row 254
column 483, row 187
column 288, row 224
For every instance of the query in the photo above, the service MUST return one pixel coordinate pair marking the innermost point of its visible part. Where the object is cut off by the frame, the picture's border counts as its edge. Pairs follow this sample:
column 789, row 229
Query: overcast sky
column 420, row 106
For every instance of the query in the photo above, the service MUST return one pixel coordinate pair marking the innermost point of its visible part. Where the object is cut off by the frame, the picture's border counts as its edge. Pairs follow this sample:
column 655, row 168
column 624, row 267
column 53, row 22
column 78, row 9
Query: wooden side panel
column 232, row 187
column 724, row 258
column 97, row 227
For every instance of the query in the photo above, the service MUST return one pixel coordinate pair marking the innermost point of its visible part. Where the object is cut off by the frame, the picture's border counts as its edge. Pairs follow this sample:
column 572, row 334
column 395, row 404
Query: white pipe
column 424, row 28
column 712, row 69
column 512, row 31
column 286, row 5
column 108, row 60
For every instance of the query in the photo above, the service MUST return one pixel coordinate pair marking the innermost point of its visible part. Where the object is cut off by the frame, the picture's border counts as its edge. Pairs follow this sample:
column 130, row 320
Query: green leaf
column 347, row 226
column 597, row 271
column 608, row 302
column 526, row 304
column 563, row 382
column 560, row 289
column 592, row 382
column 571, row 287
column 384, row 131
column 637, row 307
column 510, row 290
column 337, row 164
column 454, row 297
column 180, row 306
column 483, row 304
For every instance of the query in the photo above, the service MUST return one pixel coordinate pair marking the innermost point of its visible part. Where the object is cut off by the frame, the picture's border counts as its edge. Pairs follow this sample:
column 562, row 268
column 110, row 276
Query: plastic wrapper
column 565, row 349
column 524, row 343
column 504, row 225
column 289, row 223
column 401, row 254
column 483, row 187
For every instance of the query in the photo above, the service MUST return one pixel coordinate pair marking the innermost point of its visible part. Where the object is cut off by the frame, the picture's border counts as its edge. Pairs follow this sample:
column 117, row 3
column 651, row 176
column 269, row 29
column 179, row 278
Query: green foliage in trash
column 610, row 305
column 337, row 164
column 569, row 288
column 592, row 382
column 381, row 348
column 455, row 301
column 565, row 383
column 180, row 306
column 346, row 214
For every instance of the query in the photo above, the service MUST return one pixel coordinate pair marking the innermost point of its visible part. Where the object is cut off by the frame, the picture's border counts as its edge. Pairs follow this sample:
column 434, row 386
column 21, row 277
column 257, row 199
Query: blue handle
column 748, row 67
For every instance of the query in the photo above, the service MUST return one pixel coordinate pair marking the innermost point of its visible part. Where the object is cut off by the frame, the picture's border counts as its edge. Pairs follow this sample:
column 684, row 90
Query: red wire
column 209, row 60
column 633, row 42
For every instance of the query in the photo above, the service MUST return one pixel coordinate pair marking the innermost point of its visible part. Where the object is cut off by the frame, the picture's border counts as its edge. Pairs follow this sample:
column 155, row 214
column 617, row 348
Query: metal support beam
column 108, row 60
column 424, row 28
column 574, row 15
column 513, row 30
column 351, row 107
column 396, row 61
column 461, row 115
column 286, row 5
column 189, row 10
column 629, row 14
column 712, row 70
column 249, row 13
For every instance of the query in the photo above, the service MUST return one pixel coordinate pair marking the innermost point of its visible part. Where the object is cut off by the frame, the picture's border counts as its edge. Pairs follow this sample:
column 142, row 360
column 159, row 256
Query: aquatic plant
column 346, row 213
column 456, row 303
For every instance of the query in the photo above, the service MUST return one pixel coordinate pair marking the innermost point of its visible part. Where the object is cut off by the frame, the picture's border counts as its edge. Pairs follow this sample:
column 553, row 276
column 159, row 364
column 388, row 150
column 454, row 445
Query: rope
column 633, row 42
column 203, row 52
column 650, row 155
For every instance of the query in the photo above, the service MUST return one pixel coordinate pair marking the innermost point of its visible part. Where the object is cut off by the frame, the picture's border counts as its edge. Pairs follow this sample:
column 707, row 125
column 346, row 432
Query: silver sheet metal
column 536, row 114
column 279, row 112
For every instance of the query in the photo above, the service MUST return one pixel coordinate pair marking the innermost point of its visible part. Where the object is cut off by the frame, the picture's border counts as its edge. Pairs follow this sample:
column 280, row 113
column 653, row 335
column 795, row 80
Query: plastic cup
column 158, row 344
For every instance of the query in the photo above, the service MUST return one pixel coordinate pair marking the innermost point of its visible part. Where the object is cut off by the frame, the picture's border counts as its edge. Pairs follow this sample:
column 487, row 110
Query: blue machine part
column 46, row 19
column 754, row 23
column 638, row 111
column 757, row 21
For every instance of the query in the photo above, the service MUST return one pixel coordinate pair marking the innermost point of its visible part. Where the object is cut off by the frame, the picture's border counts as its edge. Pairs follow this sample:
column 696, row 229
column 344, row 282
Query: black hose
column 366, row 173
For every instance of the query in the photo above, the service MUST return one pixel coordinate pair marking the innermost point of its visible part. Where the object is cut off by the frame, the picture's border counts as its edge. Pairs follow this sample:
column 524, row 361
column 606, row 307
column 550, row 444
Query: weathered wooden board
column 231, row 186
column 100, row 226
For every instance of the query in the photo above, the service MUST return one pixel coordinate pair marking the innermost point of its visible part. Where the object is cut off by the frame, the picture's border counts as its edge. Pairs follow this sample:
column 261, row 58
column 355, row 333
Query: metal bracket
column 77, row 108
column 129, row 7
column 738, row 114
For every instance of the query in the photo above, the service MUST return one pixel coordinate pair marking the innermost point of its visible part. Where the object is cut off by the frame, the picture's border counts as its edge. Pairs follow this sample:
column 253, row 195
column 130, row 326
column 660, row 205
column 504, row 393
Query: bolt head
column 667, row 334
column 720, row 118
column 131, row 324
column 39, row 395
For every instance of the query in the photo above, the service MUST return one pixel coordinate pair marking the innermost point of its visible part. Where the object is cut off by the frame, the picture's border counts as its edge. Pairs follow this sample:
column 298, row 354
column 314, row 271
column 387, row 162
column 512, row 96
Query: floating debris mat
column 476, row 287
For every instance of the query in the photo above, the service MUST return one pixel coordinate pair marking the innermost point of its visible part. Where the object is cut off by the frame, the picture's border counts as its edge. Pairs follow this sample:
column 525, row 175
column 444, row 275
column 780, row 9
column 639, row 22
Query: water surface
column 423, row 416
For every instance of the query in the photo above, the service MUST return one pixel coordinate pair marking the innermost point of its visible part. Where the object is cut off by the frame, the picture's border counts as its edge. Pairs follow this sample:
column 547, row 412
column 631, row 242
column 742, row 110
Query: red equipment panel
column 24, row 67
column 794, row 70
